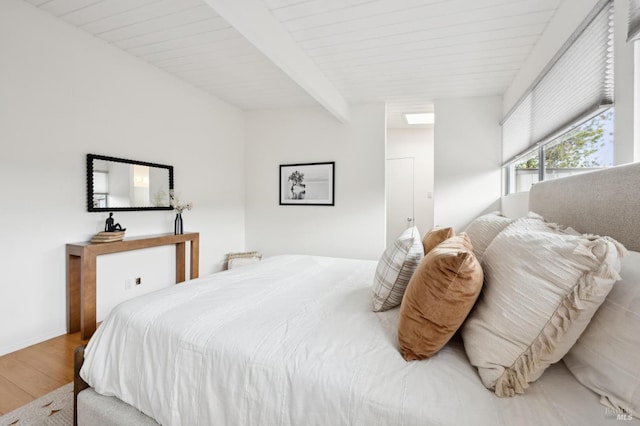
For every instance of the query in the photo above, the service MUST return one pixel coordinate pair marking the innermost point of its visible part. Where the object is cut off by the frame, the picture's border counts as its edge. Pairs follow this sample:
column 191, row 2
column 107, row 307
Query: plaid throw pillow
column 395, row 268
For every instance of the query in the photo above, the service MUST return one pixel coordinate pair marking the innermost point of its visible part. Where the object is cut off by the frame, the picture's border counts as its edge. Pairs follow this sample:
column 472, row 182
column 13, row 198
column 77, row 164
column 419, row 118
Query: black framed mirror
column 117, row 184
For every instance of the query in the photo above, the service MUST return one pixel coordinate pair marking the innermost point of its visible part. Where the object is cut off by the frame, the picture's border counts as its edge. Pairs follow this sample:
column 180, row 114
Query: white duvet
column 292, row 340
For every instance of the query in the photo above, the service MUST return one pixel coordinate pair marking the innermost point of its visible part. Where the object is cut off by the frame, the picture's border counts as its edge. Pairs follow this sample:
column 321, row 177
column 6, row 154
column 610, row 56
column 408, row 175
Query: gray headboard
column 605, row 202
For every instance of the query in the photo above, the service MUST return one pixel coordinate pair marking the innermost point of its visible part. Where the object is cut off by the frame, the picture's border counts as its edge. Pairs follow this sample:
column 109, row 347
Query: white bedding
column 292, row 340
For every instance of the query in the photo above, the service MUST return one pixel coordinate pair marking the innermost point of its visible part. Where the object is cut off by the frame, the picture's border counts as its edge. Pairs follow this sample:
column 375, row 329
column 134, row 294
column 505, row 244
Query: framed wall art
column 310, row 184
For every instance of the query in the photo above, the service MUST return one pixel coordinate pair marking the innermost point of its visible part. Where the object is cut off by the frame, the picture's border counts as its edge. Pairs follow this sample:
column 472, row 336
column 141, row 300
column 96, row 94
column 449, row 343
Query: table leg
column 73, row 293
column 88, row 296
column 180, row 262
column 195, row 257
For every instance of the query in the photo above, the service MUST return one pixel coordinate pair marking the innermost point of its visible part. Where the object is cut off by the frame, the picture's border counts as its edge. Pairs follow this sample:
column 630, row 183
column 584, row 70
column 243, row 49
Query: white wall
column 624, row 144
column 636, row 103
column 355, row 227
column 416, row 144
column 467, row 179
column 64, row 94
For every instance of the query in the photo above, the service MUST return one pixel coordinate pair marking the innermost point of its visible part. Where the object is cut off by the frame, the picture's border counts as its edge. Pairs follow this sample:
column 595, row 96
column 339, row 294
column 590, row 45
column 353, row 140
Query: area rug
column 53, row 409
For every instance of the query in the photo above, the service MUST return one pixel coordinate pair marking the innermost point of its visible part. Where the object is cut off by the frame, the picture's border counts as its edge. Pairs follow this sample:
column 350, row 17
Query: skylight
column 420, row 118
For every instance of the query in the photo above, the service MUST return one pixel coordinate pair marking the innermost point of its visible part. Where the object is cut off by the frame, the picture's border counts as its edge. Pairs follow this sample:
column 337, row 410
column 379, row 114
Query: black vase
column 177, row 228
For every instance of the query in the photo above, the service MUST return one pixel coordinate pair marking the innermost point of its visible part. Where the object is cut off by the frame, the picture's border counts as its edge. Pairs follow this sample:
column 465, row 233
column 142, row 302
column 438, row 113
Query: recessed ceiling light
column 420, row 118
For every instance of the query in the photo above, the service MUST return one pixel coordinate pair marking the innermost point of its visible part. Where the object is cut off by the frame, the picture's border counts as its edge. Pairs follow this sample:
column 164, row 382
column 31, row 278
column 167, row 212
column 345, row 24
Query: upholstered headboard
column 605, row 202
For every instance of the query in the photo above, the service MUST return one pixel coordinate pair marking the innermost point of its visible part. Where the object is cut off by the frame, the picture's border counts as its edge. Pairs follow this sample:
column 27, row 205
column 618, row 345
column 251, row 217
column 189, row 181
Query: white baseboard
column 32, row 341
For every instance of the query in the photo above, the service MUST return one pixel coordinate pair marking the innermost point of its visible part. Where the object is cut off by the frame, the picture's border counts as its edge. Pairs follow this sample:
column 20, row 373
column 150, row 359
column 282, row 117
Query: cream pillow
column 439, row 297
column 606, row 358
column 542, row 286
column 395, row 268
column 484, row 229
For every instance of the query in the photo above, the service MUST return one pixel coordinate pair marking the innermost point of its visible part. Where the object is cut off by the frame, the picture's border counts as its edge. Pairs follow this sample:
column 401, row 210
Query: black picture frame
column 307, row 184
column 91, row 194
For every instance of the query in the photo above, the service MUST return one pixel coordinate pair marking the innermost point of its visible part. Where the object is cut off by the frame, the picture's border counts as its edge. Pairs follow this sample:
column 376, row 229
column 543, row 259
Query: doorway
column 400, row 189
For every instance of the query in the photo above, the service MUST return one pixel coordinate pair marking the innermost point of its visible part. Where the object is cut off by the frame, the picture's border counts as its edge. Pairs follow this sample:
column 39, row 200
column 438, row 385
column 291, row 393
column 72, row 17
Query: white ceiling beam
column 254, row 21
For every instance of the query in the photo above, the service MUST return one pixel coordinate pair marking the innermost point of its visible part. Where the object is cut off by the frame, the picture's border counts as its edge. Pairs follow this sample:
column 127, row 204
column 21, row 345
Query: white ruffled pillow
column 542, row 286
column 395, row 268
column 606, row 358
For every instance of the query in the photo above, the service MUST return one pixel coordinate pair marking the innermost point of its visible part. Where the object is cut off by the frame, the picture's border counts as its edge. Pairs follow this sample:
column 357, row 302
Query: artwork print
column 310, row 184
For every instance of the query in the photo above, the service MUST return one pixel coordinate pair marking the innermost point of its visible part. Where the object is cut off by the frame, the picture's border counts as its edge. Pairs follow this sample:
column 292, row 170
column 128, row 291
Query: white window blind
column 634, row 20
column 575, row 84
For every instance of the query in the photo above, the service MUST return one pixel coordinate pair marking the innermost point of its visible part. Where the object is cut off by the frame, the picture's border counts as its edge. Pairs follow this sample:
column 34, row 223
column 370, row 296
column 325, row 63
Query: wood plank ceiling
column 406, row 53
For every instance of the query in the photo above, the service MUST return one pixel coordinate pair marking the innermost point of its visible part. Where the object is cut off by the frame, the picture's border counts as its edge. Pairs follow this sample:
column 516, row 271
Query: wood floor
column 34, row 371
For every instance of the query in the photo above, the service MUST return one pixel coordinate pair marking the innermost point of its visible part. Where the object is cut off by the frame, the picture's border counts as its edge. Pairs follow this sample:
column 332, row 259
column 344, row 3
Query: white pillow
column 395, row 268
column 606, row 358
column 235, row 260
column 542, row 286
column 484, row 229
column 241, row 261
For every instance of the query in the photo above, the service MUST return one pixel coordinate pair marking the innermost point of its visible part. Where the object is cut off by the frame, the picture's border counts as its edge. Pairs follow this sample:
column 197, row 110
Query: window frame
column 508, row 168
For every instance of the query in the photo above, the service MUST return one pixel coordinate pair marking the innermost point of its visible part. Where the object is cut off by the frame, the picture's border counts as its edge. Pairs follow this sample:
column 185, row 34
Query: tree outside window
column 586, row 147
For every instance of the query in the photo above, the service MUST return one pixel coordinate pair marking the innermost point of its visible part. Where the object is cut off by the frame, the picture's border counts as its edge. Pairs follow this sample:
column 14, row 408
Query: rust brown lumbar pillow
column 435, row 237
column 439, row 297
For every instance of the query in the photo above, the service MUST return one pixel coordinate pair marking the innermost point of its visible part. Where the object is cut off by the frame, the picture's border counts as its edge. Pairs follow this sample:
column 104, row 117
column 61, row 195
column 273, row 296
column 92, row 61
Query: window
column 563, row 124
column 524, row 173
column 587, row 146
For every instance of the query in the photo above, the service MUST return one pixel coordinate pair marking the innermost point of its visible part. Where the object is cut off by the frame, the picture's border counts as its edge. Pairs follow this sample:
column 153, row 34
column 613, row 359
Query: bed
column 292, row 340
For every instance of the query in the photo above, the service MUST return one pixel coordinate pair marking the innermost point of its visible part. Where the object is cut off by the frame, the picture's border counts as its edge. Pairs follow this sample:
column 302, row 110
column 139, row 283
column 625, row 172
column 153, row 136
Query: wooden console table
column 81, row 272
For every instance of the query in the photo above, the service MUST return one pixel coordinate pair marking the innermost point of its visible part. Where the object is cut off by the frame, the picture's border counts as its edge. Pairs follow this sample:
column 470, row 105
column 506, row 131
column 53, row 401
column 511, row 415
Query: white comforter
column 292, row 340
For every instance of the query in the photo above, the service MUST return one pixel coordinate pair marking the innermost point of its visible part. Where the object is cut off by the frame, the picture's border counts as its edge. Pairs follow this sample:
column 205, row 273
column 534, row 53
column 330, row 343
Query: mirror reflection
column 118, row 184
